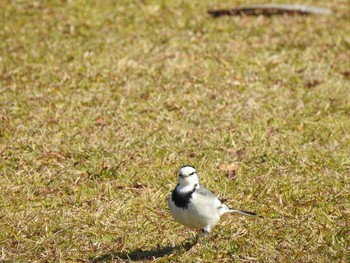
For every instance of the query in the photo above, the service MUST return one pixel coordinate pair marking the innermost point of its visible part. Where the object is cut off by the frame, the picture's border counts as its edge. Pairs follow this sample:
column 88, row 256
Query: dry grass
column 102, row 102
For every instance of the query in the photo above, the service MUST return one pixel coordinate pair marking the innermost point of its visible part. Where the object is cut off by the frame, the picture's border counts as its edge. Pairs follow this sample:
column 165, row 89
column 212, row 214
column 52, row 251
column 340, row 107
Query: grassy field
column 101, row 102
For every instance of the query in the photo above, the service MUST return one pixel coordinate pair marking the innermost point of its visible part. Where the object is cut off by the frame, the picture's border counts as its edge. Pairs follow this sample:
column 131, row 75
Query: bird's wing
column 204, row 191
column 209, row 197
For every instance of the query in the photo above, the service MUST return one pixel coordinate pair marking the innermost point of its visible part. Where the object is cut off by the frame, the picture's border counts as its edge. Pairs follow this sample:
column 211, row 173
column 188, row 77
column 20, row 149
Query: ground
column 101, row 102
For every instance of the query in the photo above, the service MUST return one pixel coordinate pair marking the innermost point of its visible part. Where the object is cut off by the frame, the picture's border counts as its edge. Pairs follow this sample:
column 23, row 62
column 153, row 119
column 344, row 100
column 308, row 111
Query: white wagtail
column 194, row 206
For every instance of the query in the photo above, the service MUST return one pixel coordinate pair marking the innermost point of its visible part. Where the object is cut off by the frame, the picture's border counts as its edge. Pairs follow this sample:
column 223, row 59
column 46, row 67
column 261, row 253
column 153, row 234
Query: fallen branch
column 270, row 9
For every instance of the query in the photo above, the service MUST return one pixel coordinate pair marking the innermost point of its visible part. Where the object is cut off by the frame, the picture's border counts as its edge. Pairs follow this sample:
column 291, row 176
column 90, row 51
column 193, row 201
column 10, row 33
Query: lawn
column 101, row 102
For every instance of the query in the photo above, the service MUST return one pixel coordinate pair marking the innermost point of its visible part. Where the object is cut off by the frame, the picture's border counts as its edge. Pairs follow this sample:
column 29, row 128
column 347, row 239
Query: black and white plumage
column 195, row 206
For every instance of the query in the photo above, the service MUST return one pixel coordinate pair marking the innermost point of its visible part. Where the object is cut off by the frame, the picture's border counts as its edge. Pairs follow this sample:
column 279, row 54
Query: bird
column 196, row 207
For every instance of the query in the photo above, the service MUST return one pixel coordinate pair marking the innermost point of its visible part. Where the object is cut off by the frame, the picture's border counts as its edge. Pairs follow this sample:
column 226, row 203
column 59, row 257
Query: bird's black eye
column 192, row 173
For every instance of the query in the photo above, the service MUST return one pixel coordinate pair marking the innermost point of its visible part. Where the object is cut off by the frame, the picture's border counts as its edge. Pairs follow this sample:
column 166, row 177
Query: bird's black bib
column 182, row 199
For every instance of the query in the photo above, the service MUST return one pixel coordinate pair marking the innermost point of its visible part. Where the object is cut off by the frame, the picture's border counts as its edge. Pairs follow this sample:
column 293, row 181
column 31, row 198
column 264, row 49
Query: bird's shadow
column 140, row 254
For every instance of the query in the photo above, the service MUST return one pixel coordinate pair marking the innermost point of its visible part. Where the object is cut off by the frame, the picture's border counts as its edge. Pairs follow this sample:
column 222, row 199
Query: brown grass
column 101, row 102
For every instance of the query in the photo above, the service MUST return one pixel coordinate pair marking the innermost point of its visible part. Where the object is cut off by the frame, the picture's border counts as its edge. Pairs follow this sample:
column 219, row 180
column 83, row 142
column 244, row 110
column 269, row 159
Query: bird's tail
column 242, row 212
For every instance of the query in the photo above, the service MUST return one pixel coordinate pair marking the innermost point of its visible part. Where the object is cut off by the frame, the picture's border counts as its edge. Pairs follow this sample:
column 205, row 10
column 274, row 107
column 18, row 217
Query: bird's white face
column 188, row 176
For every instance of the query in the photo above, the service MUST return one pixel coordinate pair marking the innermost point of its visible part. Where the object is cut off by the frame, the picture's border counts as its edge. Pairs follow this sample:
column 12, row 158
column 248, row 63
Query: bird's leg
column 204, row 233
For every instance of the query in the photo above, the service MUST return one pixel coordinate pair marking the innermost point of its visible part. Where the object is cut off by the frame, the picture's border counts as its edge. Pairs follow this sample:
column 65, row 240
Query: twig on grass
column 270, row 9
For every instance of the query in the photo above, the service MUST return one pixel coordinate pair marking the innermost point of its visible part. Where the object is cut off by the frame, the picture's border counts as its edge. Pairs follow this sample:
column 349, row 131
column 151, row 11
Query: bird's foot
column 204, row 233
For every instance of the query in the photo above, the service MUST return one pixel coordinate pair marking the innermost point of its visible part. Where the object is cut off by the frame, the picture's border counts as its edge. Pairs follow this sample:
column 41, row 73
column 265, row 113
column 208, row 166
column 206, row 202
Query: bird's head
column 188, row 176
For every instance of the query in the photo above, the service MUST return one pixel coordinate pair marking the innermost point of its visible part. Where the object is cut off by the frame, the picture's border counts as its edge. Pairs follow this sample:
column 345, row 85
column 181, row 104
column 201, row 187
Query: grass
column 102, row 101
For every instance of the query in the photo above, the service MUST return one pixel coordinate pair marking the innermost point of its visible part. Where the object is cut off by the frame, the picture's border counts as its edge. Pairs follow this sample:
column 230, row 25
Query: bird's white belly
column 197, row 215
